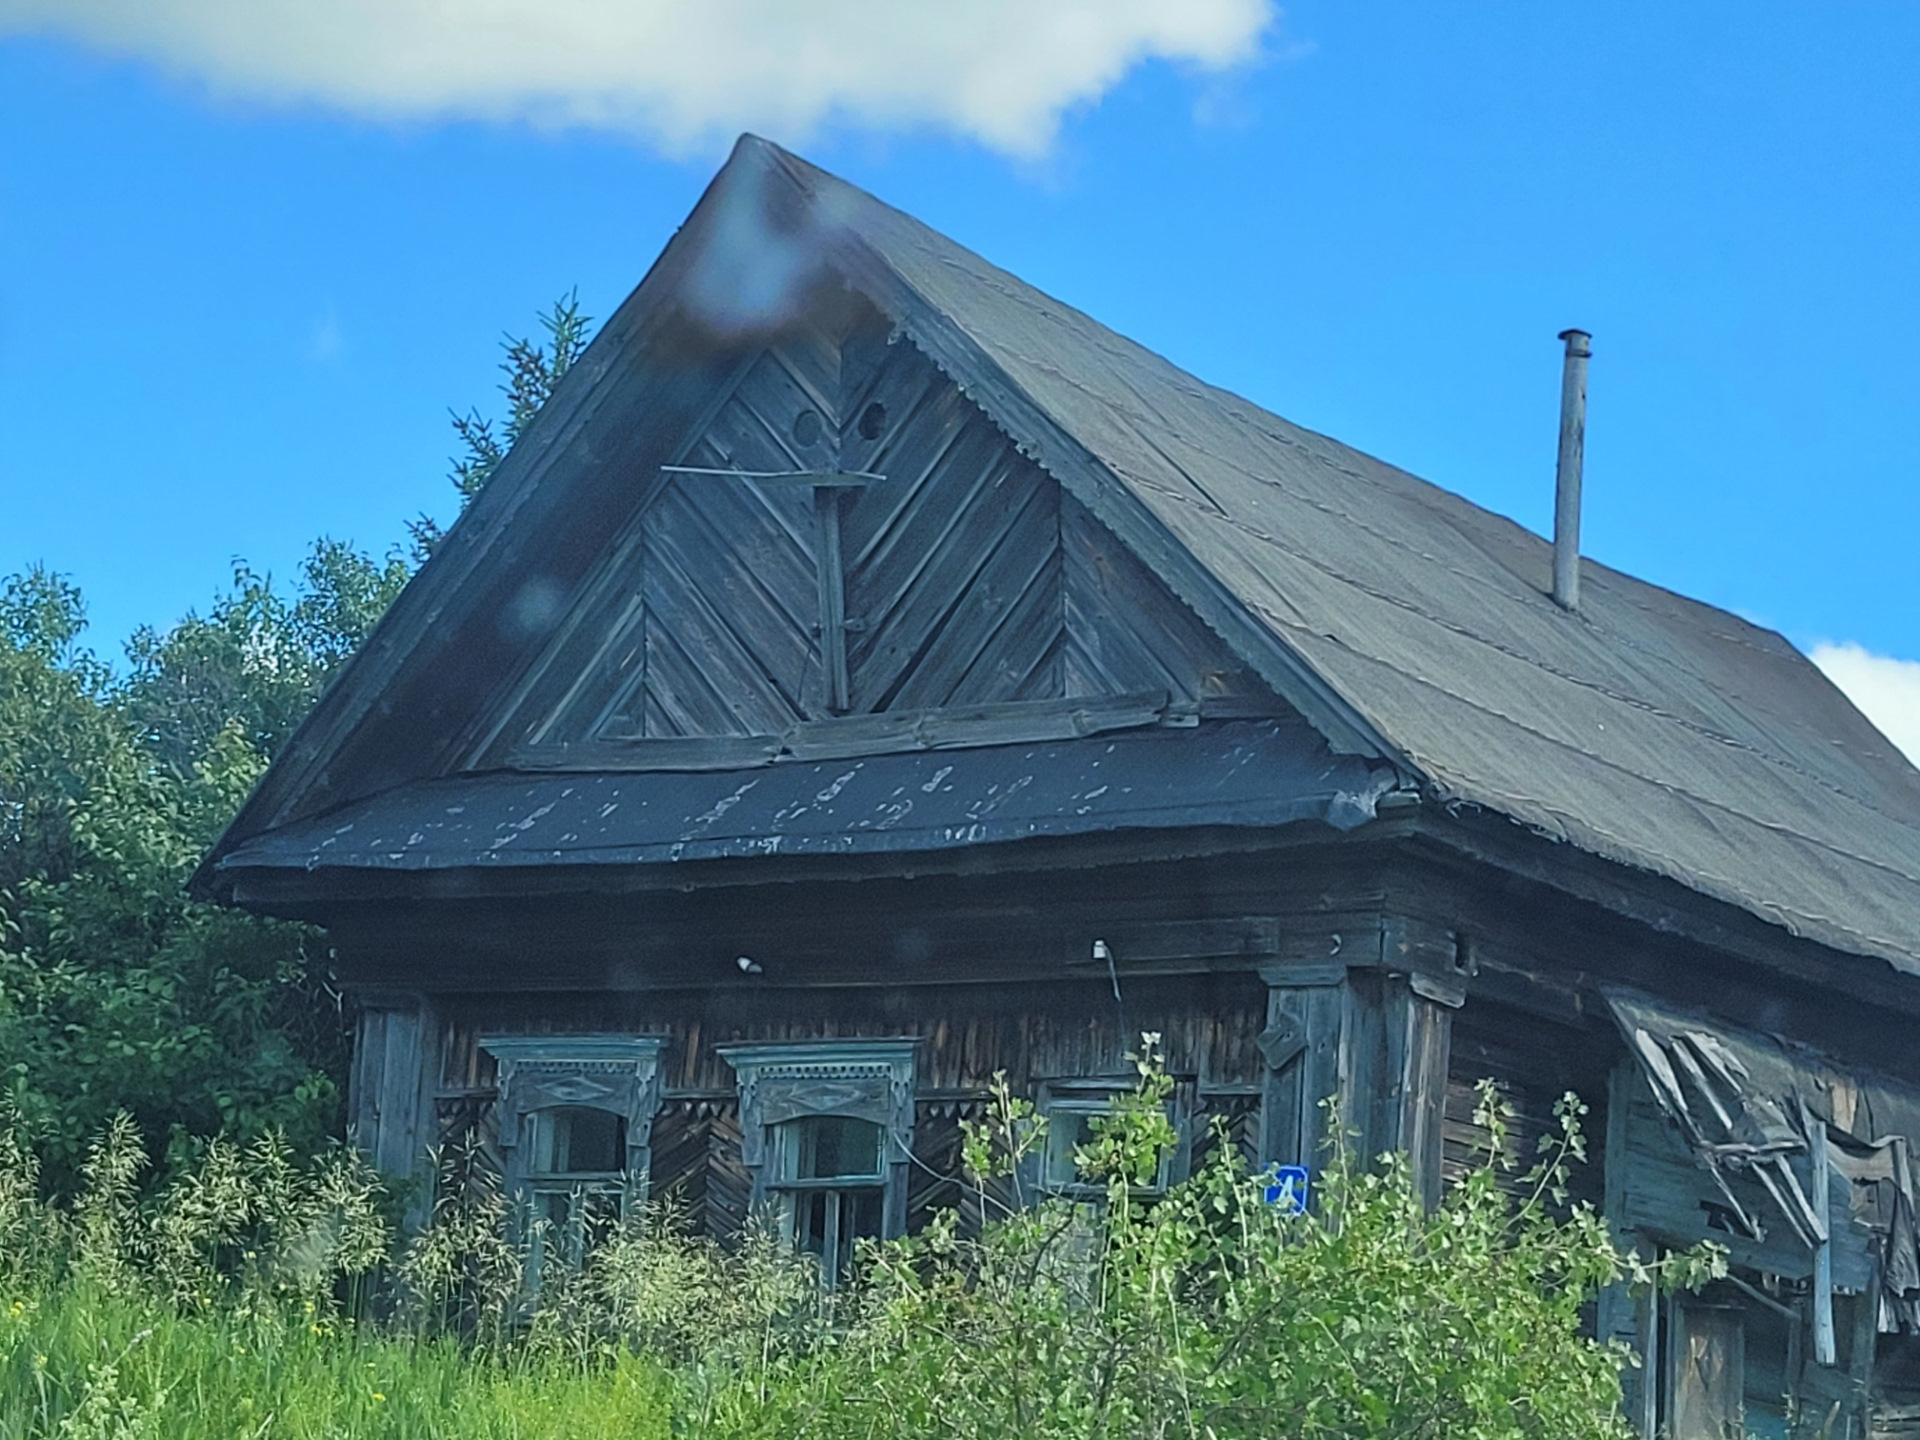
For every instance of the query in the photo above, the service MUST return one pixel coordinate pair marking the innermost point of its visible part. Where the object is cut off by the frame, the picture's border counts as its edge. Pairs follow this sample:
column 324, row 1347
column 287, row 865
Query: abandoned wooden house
column 868, row 674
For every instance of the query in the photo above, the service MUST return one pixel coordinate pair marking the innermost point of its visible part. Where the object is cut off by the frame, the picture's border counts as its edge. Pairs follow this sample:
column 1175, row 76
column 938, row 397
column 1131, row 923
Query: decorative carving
column 616, row 1073
column 869, row 1080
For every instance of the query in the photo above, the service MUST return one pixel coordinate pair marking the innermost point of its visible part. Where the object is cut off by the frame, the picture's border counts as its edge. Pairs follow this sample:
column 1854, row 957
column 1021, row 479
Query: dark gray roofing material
column 1650, row 729
column 1248, row 773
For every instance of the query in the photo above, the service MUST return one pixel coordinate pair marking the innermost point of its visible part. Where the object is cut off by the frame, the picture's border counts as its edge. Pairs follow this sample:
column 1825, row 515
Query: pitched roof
column 1402, row 620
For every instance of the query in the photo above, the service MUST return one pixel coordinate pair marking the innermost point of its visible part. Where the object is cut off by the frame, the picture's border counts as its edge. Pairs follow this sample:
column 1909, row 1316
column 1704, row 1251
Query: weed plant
column 250, row 1296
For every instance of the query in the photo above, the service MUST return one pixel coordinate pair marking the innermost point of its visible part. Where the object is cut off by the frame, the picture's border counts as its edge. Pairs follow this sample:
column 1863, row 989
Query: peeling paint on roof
column 1251, row 773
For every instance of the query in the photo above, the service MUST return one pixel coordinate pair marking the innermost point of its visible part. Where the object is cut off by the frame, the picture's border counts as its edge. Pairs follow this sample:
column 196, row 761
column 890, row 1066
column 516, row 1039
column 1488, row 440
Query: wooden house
column 869, row 674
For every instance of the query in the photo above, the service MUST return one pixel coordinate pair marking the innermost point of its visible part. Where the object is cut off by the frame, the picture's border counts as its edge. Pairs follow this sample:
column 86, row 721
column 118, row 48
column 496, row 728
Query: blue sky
column 240, row 286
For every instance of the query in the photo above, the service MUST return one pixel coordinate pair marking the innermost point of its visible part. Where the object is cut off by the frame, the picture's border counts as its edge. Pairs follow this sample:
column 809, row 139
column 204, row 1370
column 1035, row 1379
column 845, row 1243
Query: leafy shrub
column 1211, row 1313
column 1204, row 1312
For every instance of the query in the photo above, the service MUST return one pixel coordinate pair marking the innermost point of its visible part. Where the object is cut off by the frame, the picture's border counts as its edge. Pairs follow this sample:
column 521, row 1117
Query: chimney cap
column 1578, row 341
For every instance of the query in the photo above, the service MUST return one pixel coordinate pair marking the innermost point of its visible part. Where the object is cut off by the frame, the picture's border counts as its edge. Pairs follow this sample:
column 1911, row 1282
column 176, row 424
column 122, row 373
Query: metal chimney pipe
column 1566, row 487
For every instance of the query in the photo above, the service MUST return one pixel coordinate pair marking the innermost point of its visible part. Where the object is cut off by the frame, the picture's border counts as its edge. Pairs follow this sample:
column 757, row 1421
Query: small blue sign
column 1287, row 1188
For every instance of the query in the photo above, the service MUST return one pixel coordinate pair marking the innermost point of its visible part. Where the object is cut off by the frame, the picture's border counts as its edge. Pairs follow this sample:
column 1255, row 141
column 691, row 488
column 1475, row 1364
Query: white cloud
column 678, row 73
column 1886, row 690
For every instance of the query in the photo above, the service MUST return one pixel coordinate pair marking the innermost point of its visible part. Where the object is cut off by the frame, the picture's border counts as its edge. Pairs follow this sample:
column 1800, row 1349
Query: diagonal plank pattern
column 967, row 577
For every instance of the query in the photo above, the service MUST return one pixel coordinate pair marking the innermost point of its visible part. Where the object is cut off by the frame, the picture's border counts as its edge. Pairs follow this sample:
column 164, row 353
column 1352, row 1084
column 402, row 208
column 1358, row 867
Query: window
column 826, row 1129
column 576, row 1113
column 1069, row 1126
column 1071, row 1107
column 576, row 1177
column 831, row 1184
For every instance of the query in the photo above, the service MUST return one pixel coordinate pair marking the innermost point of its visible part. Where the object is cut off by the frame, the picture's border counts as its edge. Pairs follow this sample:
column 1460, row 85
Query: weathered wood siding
column 1209, row 1026
column 968, row 577
column 1532, row 1063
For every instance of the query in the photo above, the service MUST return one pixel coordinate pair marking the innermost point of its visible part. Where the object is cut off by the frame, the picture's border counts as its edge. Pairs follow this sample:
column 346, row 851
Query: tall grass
column 247, row 1295
column 94, row 1363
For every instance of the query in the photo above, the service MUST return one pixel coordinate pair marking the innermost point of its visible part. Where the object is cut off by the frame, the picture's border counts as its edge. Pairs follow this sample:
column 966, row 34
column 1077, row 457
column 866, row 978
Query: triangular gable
column 755, row 264
column 843, row 479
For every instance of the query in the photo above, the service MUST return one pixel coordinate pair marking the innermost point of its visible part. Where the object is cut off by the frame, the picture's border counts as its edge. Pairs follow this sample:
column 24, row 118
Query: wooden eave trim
column 299, row 893
column 889, row 732
column 1661, row 904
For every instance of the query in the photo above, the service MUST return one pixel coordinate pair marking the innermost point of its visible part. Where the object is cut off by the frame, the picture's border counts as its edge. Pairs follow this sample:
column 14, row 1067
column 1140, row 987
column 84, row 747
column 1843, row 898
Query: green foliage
column 258, row 659
column 225, row 1299
column 533, row 368
column 1208, row 1312
column 117, row 992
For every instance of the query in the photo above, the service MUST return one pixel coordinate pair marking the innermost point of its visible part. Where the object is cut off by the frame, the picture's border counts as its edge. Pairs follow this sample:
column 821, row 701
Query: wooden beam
column 833, row 595
column 1176, row 946
column 844, row 737
column 1825, row 1351
column 818, row 479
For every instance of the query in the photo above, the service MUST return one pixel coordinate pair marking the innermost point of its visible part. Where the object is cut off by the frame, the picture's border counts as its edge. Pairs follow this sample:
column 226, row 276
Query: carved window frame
column 619, row 1074
column 870, row 1080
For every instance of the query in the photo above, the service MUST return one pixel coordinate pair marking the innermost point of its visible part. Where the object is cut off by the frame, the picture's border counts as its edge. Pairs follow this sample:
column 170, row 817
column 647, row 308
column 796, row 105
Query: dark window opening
column 578, row 1140
column 576, row 1181
column 831, row 1173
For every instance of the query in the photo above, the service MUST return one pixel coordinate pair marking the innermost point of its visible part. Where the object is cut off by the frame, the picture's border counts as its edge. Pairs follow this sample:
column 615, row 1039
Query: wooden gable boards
column 844, row 483
column 538, row 562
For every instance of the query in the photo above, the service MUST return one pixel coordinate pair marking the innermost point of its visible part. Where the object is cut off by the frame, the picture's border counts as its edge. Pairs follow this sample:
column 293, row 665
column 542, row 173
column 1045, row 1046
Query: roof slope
column 1402, row 621
column 1260, row 773
column 1649, row 729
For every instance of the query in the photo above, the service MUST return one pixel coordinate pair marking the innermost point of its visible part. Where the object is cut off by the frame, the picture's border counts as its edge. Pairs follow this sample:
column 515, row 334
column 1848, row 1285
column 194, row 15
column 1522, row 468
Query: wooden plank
column 924, row 418
column 1617, row 1319
column 966, row 726
column 813, row 479
column 729, row 1188
column 691, row 685
column 1293, row 1122
column 1136, row 945
column 1652, row 1304
column 673, row 754
column 363, row 1087
column 890, row 732
column 1429, row 1029
column 772, row 397
column 968, row 643
column 1825, row 1349
column 919, row 581
column 1014, row 663
column 833, row 597
column 716, row 637
column 594, row 673
column 731, row 566
column 1129, row 630
column 748, row 544
column 812, row 357
column 1707, row 1362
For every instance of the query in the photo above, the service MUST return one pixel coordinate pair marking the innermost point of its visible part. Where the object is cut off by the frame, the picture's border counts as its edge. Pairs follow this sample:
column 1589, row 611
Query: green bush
column 222, row 1302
